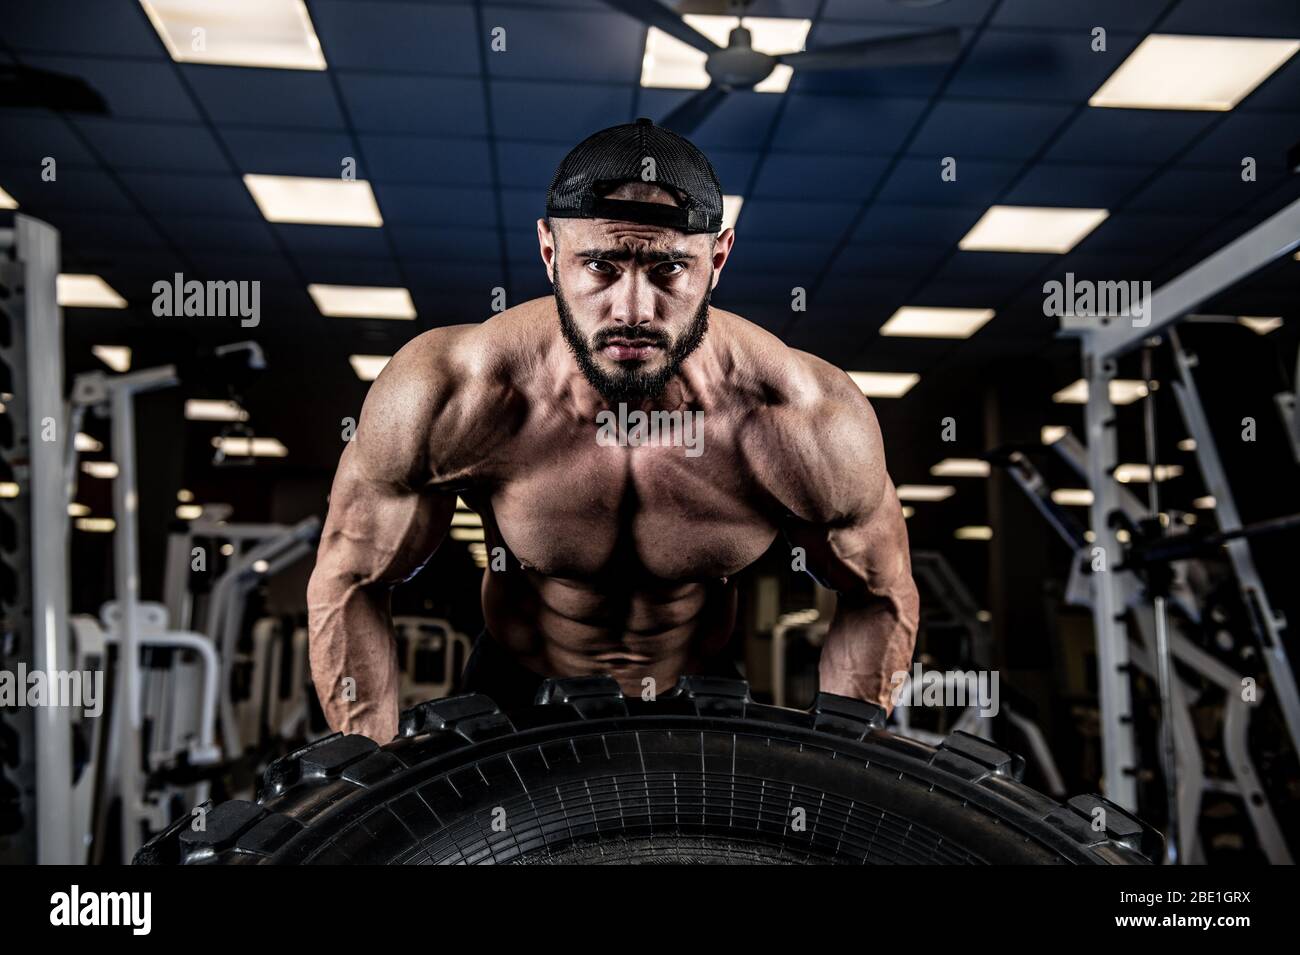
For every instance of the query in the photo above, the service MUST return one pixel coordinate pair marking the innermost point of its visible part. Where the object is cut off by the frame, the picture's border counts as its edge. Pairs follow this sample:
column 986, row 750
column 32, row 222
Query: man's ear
column 547, row 246
column 721, row 252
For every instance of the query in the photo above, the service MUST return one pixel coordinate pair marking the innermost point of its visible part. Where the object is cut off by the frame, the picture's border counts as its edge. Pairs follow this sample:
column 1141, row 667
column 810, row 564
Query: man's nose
column 634, row 303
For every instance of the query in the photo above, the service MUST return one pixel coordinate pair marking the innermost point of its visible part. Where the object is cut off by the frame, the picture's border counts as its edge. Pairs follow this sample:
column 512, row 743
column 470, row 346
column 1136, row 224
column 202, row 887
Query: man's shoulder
column 786, row 376
column 469, row 358
column 809, row 426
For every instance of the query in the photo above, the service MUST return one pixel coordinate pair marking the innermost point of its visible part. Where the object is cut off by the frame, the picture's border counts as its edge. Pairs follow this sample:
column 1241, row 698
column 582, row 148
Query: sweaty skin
column 619, row 559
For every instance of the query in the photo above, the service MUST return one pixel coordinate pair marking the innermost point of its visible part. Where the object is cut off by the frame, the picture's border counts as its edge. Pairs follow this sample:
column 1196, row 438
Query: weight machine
column 1111, row 592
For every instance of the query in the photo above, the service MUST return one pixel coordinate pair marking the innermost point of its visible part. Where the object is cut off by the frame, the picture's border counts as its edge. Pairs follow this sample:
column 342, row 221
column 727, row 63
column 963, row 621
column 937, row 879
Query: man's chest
column 684, row 508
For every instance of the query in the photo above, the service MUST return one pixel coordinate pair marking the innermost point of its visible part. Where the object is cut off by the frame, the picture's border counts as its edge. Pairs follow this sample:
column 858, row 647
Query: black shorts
column 493, row 671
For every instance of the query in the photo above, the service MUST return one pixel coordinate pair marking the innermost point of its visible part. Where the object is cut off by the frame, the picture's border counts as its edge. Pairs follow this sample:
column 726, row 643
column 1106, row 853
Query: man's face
column 633, row 299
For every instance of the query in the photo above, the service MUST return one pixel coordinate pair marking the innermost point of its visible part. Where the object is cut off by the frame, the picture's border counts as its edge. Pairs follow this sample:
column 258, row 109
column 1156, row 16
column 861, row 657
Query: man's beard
column 631, row 384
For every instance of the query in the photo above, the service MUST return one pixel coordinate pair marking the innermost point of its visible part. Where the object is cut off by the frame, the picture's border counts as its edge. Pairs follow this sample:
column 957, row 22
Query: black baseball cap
column 617, row 155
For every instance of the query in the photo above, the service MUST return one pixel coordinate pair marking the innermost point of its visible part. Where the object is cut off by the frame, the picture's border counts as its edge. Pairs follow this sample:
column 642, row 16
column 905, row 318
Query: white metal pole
column 38, row 249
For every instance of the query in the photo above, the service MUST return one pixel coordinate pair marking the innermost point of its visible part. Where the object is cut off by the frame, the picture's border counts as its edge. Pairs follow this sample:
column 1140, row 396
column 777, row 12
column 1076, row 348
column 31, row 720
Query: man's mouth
column 622, row 349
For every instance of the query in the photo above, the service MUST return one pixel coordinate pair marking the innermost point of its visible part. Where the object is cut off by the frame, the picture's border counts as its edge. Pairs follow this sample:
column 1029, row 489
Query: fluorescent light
column 7, row 201
column 467, row 533
column 265, row 33
column 1141, row 473
column 1123, row 536
column 961, row 467
column 973, row 532
column 1031, row 229
column 1187, row 444
column 466, row 519
column 1192, row 72
column 117, row 357
column 925, row 492
column 237, row 447
column 189, row 512
column 78, row 510
column 86, row 291
column 670, row 63
column 1079, row 496
column 884, row 384
column 368, row 367
column 95, row 525
column 208, row 409
column 185, row 495
column 731, row 206
column 312, row 201
column 1052, row 433
column 1206, row 503
column 1123, row 391
column 8, row 489
column 260, row 566
column 908, row 511
column 362, row 301
column 100, row 469
column 1260, row 325
column 916, row 322
column 227, row 549
column 84, row 442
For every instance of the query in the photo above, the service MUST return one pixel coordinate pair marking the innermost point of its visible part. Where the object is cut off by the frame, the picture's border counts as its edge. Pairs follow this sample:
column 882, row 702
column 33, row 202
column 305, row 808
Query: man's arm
column 847, row 517
column 384, row 522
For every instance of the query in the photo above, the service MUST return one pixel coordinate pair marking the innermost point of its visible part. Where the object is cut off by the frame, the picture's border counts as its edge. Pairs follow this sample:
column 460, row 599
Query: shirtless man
column 619, row 555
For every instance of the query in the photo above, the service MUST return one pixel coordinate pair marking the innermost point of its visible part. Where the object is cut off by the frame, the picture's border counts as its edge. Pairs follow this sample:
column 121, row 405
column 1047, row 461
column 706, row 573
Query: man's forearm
column 869, row 640
column 353, row 658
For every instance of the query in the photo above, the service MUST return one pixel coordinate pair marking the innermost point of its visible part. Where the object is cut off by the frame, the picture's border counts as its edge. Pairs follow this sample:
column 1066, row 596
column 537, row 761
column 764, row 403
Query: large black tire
column 701, row 775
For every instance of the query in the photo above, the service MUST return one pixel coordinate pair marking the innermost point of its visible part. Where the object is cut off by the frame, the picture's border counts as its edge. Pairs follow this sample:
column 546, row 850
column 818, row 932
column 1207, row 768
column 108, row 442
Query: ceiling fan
column 738, row 66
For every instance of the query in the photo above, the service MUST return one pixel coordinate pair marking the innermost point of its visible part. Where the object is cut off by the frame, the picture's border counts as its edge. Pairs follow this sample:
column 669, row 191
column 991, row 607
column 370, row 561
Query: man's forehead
column 613, row 233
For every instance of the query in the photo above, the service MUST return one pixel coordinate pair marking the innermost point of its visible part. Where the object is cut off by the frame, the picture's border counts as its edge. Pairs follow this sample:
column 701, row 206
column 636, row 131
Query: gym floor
column 940, row 210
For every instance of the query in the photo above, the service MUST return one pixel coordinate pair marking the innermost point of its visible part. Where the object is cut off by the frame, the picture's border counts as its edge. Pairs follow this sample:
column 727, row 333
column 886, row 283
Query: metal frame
column 119, row 391
column 1268, row 623
column 37, row 248
column 1102, row 342
column 1192, row 783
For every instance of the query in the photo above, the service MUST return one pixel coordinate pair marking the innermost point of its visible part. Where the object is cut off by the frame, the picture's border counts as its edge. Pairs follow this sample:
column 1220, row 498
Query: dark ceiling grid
column 217, row 136
column 350, row 128
column 507, row 278
column 765, row 147
column 846, row 235
column 947, row 357
column 944, row 356
column 113, row 175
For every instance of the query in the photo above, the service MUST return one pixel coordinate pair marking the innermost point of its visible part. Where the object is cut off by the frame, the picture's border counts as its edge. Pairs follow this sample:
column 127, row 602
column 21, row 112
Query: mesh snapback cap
column 617, row 155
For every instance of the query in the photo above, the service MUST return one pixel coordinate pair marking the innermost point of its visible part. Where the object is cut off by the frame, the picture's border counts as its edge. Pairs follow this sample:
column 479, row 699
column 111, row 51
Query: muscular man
column 620, row 545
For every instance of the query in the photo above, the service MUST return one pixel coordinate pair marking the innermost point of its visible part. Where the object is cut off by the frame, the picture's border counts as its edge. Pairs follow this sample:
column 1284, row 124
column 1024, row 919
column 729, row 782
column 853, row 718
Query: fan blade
column 657, row 15
column 28, row 86
column 714, row 8
column 932, row 46
column 688, row 116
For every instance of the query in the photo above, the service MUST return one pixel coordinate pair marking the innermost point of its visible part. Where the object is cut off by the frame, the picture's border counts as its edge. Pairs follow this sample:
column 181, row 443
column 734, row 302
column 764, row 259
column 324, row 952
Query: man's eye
column 602, row 268
column 669, row 269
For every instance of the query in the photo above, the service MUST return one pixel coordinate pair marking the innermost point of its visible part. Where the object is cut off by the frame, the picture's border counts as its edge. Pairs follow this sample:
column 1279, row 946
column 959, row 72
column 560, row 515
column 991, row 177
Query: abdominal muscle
column 567, row 628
